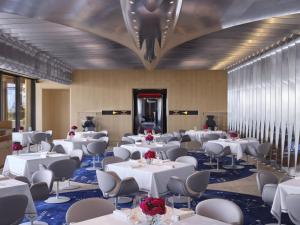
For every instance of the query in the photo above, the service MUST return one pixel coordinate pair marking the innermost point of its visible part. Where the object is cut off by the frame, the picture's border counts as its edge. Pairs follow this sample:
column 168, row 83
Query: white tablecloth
column 112, row 219
column 152, row 178
column 85, row 134
column 197, row 135
column 75, row 143
column 237, row 147
column 144, row 147
column 28, row 163
column 284, row 189
column 22, row 137
column 141, row 137
column 14, row 187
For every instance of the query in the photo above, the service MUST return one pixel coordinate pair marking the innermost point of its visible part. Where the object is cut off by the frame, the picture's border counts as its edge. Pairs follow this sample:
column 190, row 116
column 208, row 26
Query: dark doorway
column 149, row 110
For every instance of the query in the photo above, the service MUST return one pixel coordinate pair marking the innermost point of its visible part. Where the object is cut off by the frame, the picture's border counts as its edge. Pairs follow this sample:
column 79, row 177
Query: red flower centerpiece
column 233, row 134
column 149, row 156
column 153, row 208
column 21, row 129
column 71, row 134
column 149, row 131
column 149, row 138
column 16, row 147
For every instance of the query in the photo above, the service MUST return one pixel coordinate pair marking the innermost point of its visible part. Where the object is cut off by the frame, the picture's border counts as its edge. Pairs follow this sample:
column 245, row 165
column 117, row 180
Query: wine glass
column 170, row 217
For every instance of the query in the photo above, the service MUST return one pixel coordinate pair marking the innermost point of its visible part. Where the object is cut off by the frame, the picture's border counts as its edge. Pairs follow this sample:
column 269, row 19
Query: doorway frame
column 163, row 92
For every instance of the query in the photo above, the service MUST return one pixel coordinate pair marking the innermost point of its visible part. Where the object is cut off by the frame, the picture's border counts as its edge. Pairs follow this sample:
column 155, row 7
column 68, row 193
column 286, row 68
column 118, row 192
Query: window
column 17, row 100
column 25, row 103
column 8, row 103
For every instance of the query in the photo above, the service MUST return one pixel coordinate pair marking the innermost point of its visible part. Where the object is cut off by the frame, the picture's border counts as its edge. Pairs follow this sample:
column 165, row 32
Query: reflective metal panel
column 271, row 83
column 207, row 35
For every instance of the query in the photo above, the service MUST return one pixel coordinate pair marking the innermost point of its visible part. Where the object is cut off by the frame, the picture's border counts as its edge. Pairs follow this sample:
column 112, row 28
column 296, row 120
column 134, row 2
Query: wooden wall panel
column 94, row 91
column 56, row 111
column 5, row 140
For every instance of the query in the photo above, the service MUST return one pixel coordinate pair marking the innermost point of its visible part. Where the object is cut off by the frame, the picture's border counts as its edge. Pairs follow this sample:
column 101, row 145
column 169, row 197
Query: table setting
column 145, row 146
column 27, row 163
column 151, row 211
column 284, row 189
column 237, row 146
column 196, row 135
column 152, row 175
column 9, row 187
column 73, row 143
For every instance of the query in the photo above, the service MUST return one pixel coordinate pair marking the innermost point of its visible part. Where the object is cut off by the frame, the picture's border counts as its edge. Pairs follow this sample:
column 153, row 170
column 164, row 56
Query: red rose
column 153, row 206
column 71, row 133
column 233, row 134
column 150, row 154
column 149, row 131
column 149, row 137
column 21, row 128
column 17, row 146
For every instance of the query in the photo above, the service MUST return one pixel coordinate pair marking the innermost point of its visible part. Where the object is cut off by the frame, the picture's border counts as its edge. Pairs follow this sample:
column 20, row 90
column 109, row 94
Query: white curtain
column 264, row 99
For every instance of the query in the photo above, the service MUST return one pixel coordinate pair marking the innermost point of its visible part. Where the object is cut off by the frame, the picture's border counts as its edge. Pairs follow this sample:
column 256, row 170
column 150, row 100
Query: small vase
column 148, row 161
column 153, row 220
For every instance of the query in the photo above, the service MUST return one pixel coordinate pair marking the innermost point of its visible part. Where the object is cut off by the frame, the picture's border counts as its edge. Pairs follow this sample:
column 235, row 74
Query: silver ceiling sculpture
column 150, row 23
column 203, row 34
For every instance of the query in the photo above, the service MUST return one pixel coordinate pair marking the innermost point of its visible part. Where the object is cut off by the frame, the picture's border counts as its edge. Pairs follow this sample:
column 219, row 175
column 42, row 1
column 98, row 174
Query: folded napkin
column 182, row 214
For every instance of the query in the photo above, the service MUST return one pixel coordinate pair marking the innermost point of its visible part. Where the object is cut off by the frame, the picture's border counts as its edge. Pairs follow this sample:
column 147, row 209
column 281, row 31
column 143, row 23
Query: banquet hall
column 149, row 112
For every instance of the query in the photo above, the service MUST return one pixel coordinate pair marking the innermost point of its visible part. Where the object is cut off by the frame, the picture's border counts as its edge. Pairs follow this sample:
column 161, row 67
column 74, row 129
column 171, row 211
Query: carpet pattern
column 89, row 177
column 255, row 211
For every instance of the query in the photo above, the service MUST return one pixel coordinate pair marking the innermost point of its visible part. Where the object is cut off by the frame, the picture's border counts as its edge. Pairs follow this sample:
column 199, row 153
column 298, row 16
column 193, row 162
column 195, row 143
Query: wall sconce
column 183, row 112
column 115, row 112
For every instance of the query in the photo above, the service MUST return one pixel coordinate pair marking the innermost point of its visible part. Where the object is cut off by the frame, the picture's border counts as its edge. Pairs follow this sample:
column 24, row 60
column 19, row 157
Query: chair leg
column 71, row 186
column 57, row 198
column 116, row 202
column 57, row 190
column 218, row 170
column 257, row 167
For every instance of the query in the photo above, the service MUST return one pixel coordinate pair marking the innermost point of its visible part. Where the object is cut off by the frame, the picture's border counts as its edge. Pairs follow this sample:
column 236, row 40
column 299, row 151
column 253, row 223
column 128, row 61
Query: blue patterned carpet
column 255, row 211
column 89, row 177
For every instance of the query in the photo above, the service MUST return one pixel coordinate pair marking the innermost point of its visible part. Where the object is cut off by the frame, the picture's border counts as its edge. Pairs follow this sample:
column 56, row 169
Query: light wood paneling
column 5, row 140
column 56, row 111
column 94, row 91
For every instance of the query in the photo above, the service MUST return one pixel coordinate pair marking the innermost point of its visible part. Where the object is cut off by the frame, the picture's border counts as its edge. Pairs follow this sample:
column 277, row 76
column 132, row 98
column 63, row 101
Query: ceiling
column 92, row 34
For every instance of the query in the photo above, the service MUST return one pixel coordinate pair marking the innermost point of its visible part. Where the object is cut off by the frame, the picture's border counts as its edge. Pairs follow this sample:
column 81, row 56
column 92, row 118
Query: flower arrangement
column 149, row 138
column 74, row 127
column 150, row 155
column 233, row 134
column 149, row 131
column 16, row 147
column 21, row 128
column 153, row 207
column 71, row 133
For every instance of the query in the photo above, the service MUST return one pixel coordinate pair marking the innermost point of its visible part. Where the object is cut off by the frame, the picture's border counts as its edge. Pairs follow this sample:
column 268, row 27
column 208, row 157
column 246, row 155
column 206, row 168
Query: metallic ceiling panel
column 199, row 40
